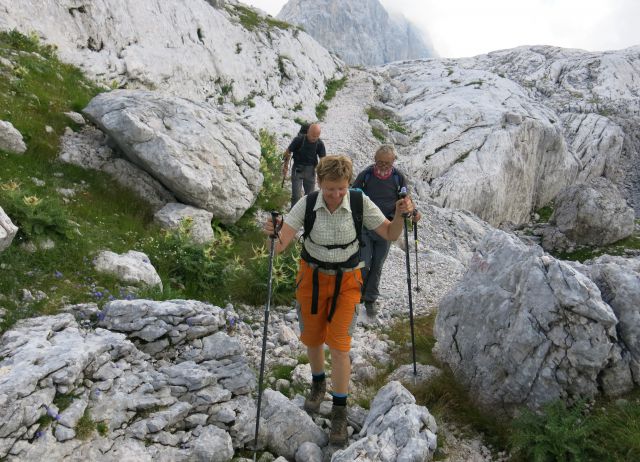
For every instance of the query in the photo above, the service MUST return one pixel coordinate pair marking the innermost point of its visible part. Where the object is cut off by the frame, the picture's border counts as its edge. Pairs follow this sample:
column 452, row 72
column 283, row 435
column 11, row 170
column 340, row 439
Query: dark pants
column 374, row 253
column 302, row 176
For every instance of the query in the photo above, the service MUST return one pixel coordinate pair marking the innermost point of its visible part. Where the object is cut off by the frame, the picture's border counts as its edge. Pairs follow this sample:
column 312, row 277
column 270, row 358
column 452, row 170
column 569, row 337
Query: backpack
column 369, row 172
column 304, row 128
column 355, row 201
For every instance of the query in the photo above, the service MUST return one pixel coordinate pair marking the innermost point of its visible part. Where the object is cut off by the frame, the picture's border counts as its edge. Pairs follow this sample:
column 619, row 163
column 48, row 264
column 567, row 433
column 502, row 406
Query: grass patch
column 631, row 243
column 332, row 88
column 387, row 118
column 251, row 20
column 378, row 134
column 545, row 213
column 85, row 427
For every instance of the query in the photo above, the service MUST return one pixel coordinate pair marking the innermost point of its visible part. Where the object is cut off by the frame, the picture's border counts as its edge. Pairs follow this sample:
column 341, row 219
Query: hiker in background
column 382, row 183
column 306, row 149
column 329, row 280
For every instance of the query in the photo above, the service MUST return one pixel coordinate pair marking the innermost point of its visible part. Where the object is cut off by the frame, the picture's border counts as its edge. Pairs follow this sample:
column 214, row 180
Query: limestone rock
column 11, row 138
column 191, row 148
column 524, row 328
column 198, row 221
column 7, row 230
column 593, row 213
column 131, row 267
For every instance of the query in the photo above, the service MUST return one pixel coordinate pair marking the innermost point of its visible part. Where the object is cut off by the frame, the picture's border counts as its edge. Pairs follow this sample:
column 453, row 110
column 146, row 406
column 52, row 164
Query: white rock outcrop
column 523, row 328
column 222, row 51
column 190, row 148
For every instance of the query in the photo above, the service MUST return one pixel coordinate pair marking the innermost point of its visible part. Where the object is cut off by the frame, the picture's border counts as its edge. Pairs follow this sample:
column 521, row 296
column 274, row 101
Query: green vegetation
column 378, row 134
column 85, row 427
column 388, row 118
column 545, row 213
column 251, row 20
column 332, row 88
column 605, row 431
column 101, row 215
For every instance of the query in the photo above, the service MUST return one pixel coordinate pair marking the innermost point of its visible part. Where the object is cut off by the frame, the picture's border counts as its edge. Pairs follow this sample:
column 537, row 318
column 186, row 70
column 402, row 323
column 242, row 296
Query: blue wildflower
column 38, row 434
column 101, row 315
column 58, row 274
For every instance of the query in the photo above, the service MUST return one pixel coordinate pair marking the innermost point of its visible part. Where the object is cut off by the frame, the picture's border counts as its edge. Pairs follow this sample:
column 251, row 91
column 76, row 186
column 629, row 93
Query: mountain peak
column 361, row 32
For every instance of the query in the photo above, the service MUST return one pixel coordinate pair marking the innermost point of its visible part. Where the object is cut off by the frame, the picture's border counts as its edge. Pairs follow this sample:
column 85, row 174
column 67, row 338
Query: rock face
column 200, row 50
column 361, row 32
column 501, row 134
column 524, row 328
column 11, row 139
column 189, row 147
column 7, row 230
column 89, row 148
column 593, row 213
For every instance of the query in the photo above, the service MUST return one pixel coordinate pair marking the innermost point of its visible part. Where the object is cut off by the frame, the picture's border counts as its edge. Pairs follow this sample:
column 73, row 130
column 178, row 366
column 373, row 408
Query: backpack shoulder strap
column 356, row 203
column 396, row 179
column 367, row 174
column 309, row 213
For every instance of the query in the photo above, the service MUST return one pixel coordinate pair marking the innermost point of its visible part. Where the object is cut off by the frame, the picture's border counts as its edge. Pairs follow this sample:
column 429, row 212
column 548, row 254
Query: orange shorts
column 315, row 329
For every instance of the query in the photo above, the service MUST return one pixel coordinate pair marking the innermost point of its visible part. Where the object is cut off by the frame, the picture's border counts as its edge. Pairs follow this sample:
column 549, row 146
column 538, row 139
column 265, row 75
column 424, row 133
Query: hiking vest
column 355, row 202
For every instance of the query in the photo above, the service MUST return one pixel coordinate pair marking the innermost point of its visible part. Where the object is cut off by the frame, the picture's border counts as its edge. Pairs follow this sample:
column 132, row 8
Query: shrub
column 272, row 196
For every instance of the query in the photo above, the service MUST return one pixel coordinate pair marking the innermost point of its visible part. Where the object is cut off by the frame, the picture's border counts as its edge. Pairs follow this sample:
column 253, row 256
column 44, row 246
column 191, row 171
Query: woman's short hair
column 385, row 149
column 335, row 168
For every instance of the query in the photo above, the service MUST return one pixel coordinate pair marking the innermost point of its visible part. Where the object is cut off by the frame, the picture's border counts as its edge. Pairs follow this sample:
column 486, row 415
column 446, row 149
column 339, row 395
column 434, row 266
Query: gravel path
column 346, row 130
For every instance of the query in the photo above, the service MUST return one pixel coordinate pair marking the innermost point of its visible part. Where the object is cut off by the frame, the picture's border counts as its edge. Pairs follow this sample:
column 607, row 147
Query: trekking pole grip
column 403, row 194
column 274, row 220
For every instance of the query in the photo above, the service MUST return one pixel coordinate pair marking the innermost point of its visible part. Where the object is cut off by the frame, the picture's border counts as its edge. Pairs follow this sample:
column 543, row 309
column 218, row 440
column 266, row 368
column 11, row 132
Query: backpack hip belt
column 351, row 264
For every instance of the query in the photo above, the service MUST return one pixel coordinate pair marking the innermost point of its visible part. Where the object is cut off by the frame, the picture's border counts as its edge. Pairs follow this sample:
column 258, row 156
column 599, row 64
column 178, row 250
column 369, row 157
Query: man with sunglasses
column 382, row 183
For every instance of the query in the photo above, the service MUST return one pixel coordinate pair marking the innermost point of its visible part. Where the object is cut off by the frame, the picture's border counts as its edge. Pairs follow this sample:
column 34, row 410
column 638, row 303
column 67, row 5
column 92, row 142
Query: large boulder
column 191, row 148
column 11, row 139
column 593, row 213
column 524, row 328
column 7, row 230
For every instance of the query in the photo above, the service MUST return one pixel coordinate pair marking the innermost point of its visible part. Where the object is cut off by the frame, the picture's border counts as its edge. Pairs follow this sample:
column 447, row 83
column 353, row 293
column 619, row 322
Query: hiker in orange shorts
column 329, row 280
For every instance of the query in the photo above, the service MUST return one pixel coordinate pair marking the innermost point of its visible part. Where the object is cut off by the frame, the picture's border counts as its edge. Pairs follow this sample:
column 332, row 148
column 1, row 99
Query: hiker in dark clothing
column 306, row 150
column 381, row 182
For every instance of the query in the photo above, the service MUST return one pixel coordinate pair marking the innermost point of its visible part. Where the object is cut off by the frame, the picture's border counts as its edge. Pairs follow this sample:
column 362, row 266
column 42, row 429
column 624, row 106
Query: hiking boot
column 316, row 396
column 338, row 435
column 371, row 308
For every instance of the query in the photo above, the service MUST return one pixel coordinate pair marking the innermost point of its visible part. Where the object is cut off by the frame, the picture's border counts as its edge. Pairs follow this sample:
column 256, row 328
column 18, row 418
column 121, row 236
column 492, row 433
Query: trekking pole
column 272, row 251
column 415, row 240
column 403, row 194
column 284, row 175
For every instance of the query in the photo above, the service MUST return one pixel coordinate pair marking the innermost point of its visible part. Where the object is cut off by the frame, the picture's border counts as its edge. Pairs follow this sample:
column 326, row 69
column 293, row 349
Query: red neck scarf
column 377, row 174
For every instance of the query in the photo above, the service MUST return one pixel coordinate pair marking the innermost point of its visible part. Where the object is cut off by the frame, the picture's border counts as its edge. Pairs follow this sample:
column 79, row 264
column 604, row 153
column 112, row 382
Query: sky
column 459, row 28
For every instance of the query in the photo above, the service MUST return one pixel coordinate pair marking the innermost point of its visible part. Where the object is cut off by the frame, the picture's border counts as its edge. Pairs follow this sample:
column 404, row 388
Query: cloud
column 468, row 27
